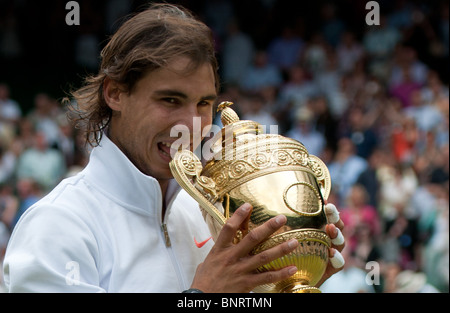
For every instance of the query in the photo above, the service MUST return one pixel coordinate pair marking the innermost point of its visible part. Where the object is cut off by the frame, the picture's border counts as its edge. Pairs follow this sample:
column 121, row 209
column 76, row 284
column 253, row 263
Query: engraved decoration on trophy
column 276, row 175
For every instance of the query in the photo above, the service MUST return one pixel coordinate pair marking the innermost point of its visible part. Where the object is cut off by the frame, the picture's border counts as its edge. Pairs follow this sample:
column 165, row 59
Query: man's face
column 168, row 97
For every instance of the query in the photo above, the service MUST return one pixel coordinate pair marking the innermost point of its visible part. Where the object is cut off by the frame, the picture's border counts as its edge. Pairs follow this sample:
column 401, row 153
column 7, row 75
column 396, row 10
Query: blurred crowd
column 371, row 101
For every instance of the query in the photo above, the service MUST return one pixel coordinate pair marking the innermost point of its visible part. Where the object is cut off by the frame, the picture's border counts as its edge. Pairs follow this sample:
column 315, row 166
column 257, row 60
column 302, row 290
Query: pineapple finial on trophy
column 228, row 115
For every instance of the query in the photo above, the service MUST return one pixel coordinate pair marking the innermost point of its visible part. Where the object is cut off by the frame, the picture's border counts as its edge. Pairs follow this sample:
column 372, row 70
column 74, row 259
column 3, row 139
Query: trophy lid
column 243, row 144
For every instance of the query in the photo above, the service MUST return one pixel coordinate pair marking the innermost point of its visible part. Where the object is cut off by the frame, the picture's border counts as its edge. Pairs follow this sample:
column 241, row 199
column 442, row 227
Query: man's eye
column 204, row 103
column 171, row 100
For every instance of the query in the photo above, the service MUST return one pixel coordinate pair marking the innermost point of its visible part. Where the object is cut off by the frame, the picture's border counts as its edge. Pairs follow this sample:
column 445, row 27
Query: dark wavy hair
column 145, row 42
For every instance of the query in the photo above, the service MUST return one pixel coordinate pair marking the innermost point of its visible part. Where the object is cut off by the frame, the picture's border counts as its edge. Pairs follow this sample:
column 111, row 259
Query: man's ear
column 113, row 94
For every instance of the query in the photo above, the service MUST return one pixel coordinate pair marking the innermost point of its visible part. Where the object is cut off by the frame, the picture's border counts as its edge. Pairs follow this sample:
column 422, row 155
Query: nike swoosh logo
column 201, row 244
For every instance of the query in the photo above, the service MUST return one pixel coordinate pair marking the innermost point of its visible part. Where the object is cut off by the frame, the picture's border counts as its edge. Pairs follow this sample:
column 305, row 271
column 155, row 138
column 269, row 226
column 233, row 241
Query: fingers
column 339, row 239
column 233, row 224
column 335, row 226
column 269, row 255
column 335, row 234
column 333, row 215
column 336, row 259
column 261, row 233
column 334, row 230
column 273, row 276
column 336, row 264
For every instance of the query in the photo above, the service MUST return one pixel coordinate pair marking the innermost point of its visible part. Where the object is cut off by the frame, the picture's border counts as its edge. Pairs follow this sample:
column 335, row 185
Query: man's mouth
column 168, row 149
column 165, row 149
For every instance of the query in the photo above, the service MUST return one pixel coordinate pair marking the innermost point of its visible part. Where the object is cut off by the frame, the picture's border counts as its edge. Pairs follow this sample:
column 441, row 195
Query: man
column 123, row 224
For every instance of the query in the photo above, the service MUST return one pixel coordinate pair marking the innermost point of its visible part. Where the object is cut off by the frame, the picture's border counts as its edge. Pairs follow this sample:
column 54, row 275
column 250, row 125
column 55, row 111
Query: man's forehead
column 180, row 78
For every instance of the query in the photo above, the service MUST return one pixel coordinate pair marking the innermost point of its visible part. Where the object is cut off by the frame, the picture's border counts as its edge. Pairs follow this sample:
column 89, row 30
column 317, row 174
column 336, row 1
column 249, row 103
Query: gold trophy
column 276, row 175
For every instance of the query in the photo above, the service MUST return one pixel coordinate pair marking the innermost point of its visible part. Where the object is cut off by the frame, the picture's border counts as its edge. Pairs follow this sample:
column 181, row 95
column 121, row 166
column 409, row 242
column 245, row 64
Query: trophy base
column 310, row 258
column 300, row 288
column 291, row 287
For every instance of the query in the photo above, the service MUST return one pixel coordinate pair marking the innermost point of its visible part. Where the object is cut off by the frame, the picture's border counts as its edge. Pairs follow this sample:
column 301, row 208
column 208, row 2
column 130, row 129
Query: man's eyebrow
column 210, row 98
column 179, row 94
column 170, row 93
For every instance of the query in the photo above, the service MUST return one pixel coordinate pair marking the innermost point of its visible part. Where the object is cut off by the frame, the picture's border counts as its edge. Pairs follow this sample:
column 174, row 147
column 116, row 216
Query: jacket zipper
column 166, row 235
column 168, row 243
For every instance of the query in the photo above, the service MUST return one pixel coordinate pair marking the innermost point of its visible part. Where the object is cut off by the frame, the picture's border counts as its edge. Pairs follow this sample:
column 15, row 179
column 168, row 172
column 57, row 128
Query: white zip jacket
column 102, row 231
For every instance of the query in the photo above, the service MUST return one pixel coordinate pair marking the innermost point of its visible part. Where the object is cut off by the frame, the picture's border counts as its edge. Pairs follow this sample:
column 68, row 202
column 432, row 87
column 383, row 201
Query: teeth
column 180, row 147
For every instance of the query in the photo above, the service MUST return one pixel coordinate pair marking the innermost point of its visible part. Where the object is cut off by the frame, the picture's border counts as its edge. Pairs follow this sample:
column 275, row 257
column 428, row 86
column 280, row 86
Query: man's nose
column 191, row 121
column 191, row 118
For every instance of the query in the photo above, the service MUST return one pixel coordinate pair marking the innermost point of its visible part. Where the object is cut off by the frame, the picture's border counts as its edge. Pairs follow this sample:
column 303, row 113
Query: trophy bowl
column 276, row 175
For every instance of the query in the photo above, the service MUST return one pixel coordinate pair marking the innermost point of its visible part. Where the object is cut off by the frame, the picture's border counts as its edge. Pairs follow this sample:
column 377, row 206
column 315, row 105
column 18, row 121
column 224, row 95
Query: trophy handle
column 186, row 169
column 322, row 175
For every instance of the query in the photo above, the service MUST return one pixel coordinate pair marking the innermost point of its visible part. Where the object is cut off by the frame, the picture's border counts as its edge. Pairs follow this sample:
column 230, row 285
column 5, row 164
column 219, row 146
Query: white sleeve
column 51, row 250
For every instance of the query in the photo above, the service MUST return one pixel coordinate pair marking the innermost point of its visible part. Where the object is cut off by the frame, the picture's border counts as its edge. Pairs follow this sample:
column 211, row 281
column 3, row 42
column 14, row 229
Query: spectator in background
column 295, row 93
column 436, row 251
column 255, row 110
column 380, row 43
column 66, row 140
column 345, row 167
column 42, row 163
column 332, row 24
column 349, row 51
column 404, row 138
column 4, row 237
column 237, row 54
column 358, row 213
column 10, row 111
column 398, row 183
column 304, row 132
column 363, row 137
column 409, row 281
column 314, row 56
column 10, row 114
column 328, row 81
column 366, row 246
column 325, row 123
column 402, row 232
column 28, row 192
column 284, row 51
column 25, row 135
column 87, row 42
column 369, row 177
column 8, row 205
column 8, row 160
column 426, row 115
column 407, row 67
column 434, row 90
column 403, row 89
column 261, row 74
column 43, row 116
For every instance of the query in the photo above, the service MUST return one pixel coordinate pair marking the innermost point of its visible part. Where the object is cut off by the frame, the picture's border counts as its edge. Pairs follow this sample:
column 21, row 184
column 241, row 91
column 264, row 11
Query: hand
column 230, row 267
column 334, row 231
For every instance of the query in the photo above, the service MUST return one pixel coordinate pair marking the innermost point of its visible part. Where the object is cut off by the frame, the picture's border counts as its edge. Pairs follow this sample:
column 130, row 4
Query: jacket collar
column 116, row 176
